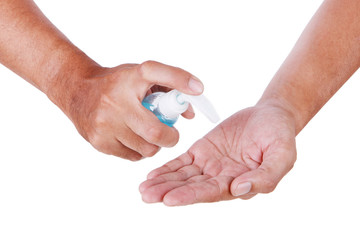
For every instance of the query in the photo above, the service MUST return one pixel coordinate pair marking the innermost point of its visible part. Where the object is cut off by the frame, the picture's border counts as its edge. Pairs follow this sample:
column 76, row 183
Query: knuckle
column 269, row 185
column 150, row 151
column 145, row 67
column 99, row 120
column 97, row 142
column 155, row 135
column 126, row 154
column 174, row 139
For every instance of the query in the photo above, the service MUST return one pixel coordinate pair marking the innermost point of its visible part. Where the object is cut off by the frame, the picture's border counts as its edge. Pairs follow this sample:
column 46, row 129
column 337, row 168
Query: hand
column 246, row 154
column 106, row 108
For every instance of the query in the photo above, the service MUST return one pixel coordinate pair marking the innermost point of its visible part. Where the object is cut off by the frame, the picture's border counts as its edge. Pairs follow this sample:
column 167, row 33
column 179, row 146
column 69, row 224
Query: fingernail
column 242, row 189
column 195, row 85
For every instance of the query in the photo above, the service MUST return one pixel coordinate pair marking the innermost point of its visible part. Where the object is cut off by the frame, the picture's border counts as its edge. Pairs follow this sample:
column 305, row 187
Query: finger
column 276, row 164
column 183, row 174
column 114, row 147
column 137, row 143
column 212, row 190
column 157, row 192
column 126, row 65
column 189, row 113
column 156, row 73
column 126, row 136
column 248, row 196
column 174, row 165
column 145, row 124
column 126, row 153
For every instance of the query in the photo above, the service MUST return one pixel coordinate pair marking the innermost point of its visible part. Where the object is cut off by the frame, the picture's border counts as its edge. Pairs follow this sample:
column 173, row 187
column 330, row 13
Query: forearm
column 324, row 58
column 37, row 51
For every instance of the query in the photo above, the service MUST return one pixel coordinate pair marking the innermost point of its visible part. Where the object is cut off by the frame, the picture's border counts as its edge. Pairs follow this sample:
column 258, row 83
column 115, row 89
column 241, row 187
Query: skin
column 103, row 103
column 250, row 152
column 247, row 154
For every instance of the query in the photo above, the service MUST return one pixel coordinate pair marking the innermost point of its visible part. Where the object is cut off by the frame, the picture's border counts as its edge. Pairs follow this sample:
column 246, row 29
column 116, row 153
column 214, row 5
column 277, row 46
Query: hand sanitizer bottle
column 168, row 106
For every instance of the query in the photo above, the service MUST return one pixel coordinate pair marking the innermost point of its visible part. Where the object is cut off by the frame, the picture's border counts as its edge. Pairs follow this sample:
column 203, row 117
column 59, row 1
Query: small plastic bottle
column 168, row 106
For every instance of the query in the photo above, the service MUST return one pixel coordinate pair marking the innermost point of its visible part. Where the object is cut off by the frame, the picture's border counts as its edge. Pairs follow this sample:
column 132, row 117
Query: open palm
column 246, row 154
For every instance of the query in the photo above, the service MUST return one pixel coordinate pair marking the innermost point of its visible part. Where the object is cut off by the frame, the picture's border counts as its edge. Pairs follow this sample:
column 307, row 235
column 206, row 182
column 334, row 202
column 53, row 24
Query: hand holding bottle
column 107, row 108
column 103, row 103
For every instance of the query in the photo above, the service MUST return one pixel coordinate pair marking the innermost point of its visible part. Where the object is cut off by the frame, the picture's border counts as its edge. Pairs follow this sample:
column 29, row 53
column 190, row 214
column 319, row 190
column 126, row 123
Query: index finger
column 169, row 76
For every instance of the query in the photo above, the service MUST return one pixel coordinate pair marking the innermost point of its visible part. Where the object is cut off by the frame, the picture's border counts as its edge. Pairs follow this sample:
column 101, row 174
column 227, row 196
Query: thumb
column 155, row 73
column 266, row 177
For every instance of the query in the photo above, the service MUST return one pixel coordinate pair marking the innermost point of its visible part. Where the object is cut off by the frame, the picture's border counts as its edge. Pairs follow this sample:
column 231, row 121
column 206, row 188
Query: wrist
column 289, row 111
column 69, row 70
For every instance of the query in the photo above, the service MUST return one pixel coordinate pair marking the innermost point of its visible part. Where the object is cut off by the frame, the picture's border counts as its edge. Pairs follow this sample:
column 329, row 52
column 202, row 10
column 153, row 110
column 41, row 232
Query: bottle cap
column 169, row 105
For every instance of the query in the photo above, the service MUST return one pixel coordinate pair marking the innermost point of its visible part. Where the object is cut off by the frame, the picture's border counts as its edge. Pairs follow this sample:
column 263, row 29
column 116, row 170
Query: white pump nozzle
column 175, row 102
column 203, row 104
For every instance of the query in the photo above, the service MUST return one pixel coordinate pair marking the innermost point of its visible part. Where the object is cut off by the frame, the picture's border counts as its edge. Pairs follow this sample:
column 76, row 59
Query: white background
column 54, row 185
